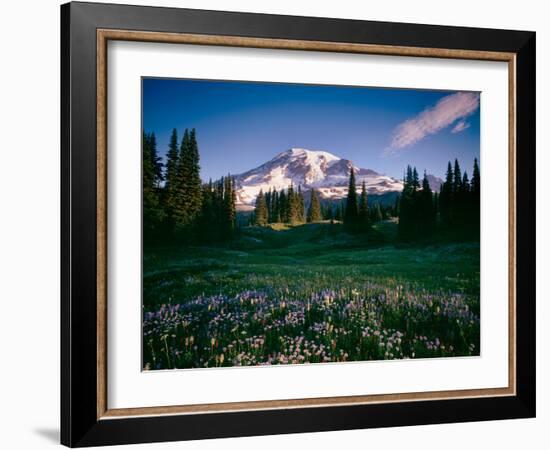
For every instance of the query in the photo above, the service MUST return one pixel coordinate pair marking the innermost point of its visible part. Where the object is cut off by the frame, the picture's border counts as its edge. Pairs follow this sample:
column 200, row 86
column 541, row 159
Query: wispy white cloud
column 460, row 126
column 433, row 119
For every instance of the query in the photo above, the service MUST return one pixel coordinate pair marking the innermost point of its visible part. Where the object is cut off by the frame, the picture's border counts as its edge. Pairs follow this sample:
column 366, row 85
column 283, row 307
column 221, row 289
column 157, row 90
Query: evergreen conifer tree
column 193, row 185
column 457, row 177
column 291, row 205
column 171, row 185
column 363, row 208
column 180, row 201
column 276, row 215
column 208, row 229
column 268, row 204
column 446, row 197
column 476, row 181
column 475, row 195
column 148, row 172
column 189, row 187
column 351, row 212
column 151, row 207
column 409, row 177
column 156, row 160
column 314, row 211
column 260, row 213
column 463, row 203
column 415, row 180
column 300, row 205
column 426, row 225
column 407, row 212
column 218, row 202
column 466, row 182
column 229, row 213
column 283, row 207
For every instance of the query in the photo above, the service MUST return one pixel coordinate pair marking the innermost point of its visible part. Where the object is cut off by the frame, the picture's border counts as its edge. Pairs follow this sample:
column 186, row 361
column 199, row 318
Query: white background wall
column 29, row 223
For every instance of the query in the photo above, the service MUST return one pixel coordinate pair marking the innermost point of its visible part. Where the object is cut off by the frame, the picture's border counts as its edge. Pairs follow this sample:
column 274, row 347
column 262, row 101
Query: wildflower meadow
column 274, row 298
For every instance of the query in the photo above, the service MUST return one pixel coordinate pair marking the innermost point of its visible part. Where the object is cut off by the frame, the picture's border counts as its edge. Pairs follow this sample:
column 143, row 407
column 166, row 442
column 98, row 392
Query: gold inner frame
column 103, row 36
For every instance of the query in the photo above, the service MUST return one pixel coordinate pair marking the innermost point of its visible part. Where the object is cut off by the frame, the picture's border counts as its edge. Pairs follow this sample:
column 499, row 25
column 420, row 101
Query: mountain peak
column 307, row 153
column 323, row 171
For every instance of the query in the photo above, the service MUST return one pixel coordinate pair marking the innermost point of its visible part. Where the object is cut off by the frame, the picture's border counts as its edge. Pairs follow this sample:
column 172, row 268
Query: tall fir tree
column 260, row 212
column 152, row 209
column 294, row 205
column 475, row 194
column 427, row 219
column 218, row 202
column 156, row 161
column 229, row 213
column 463, row 202
column 446, row 197
column 407, row 208
column 457, row 177
column 409, row 177
column 189, row 185
column 314, row 211
column 415, row 180
column 363, row 208
column 476, row 180
column 465, row 184
column 351, row 213
column 268, row 204
column 301, row 205
column 275, row 213
column 208, row 229
column 149, row 195
column 283, row 207
column 181, row 212
column 193, row 184
column 171, row 177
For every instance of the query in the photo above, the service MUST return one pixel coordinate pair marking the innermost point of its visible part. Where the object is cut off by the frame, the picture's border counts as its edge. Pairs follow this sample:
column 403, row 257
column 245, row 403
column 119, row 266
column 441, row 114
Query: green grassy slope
column 319, row 255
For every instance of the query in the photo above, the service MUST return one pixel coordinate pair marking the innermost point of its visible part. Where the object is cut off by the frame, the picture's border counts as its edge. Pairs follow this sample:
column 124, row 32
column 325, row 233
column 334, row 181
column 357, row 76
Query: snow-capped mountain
column 323, row 171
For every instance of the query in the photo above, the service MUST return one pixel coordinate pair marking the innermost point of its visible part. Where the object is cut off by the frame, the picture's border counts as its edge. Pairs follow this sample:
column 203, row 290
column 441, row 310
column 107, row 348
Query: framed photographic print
column 276, row 224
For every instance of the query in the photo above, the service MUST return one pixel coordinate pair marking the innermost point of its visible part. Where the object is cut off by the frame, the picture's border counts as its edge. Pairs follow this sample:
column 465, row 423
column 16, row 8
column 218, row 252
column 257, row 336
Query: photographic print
column 273, row 232
column 296, row 223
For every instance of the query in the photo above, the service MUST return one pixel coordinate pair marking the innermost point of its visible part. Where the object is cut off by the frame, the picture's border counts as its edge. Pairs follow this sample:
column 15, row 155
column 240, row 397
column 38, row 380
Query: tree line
column 176, row 203
column 288, row 206
column 460, row 198
column 455, row 210
column 417, row 206
column 357, row 216
column 420, row 211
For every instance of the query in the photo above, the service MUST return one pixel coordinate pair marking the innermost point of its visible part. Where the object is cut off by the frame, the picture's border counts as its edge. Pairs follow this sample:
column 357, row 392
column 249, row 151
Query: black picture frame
column 80, row 425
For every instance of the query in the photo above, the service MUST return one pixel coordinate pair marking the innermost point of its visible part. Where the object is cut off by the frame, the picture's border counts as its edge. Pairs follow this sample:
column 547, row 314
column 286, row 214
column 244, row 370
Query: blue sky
column 241, row 125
